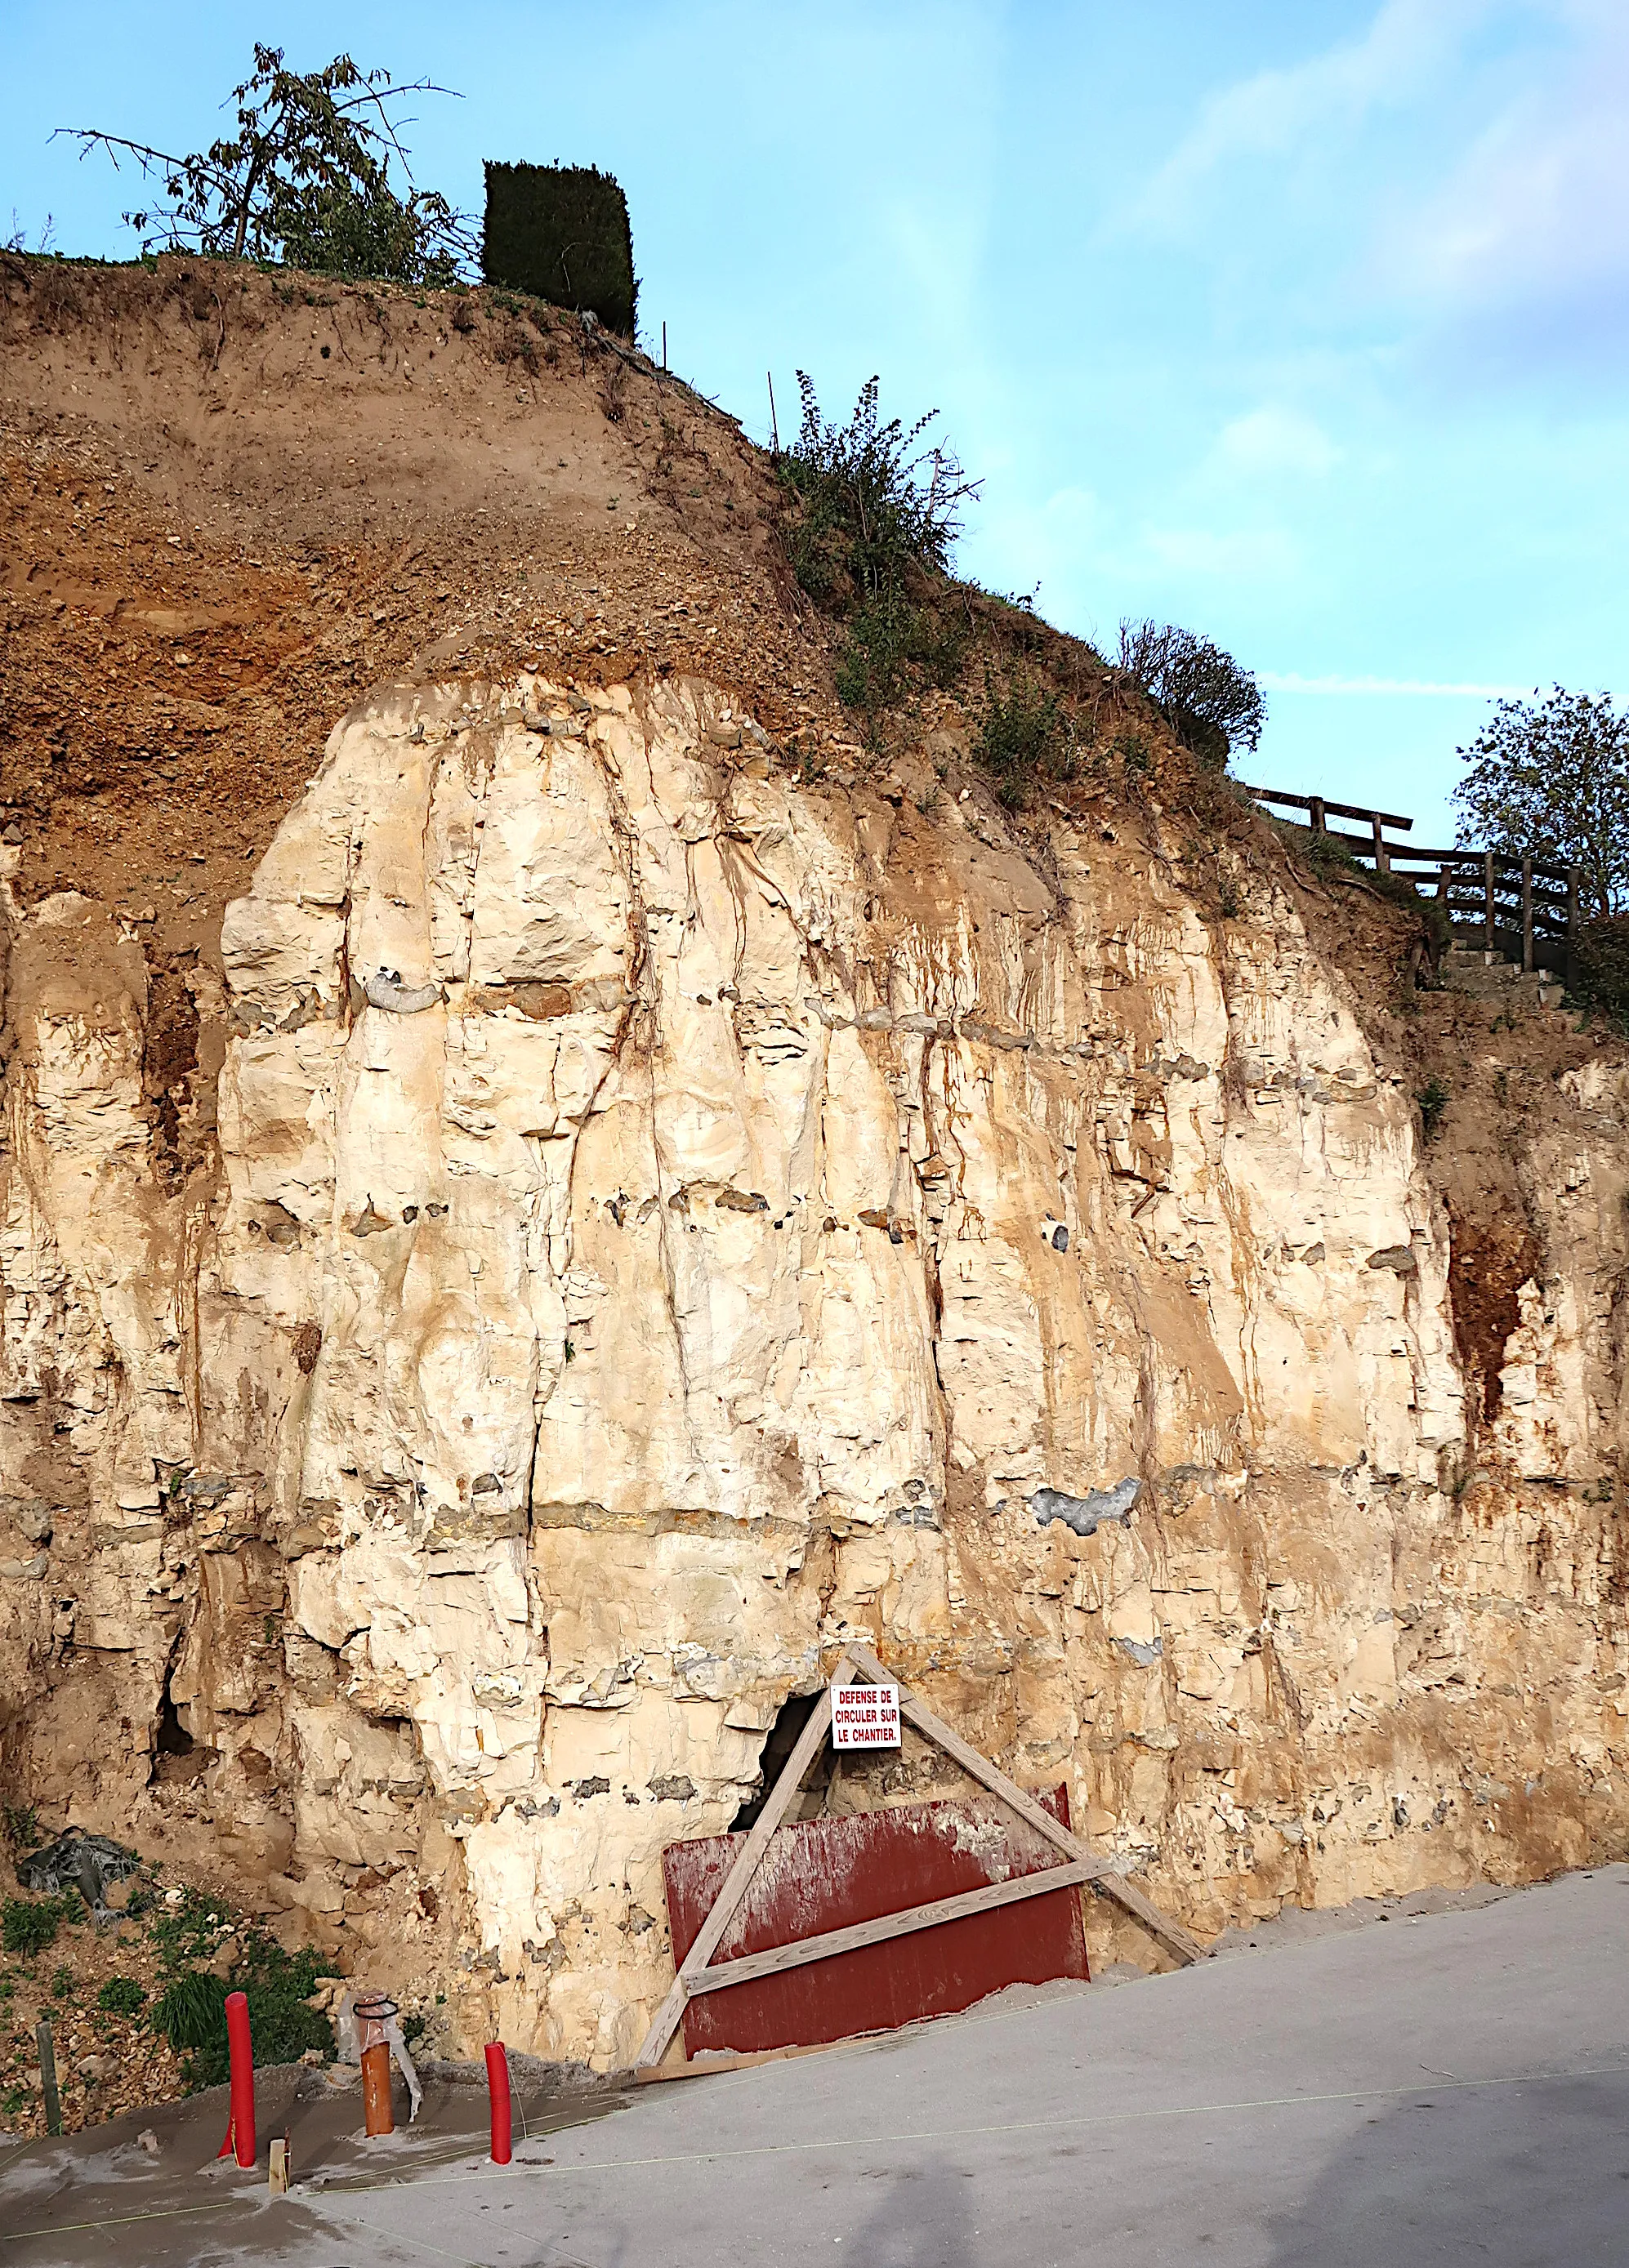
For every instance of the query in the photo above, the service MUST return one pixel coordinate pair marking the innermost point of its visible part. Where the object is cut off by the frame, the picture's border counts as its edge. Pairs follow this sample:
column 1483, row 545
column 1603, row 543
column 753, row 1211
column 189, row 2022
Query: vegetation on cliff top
column 306, row 180
column 1550, row 779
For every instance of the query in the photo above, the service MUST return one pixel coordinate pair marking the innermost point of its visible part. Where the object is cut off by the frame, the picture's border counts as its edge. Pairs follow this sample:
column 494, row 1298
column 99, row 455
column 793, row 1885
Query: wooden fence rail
column 1490, row 896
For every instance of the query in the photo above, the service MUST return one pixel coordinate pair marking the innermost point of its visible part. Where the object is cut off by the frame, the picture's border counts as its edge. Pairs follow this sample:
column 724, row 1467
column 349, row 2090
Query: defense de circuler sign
column 864, row 1717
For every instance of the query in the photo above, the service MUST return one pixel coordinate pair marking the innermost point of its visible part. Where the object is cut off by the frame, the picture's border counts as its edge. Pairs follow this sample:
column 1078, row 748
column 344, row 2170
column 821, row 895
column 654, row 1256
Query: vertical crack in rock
column 667, row 1066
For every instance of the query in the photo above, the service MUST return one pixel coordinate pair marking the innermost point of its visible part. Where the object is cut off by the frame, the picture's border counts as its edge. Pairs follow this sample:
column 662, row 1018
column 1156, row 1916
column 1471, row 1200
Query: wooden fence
column 1523, row 910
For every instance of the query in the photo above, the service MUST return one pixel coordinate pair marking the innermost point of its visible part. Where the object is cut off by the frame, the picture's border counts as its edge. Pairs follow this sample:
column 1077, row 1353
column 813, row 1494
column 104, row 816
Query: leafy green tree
column 306, row 179
column 1212, row 702
column 1550, row 779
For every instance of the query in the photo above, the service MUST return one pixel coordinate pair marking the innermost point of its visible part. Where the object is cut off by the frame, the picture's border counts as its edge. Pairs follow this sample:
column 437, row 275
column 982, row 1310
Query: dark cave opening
column 795, row 1715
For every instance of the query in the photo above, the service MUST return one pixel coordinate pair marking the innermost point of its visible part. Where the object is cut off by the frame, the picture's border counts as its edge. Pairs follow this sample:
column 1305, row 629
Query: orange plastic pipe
column 378, row 2118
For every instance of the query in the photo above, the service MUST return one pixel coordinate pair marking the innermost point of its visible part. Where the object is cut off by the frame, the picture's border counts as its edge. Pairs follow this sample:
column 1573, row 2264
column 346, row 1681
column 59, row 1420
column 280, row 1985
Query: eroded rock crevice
column 630, row 1220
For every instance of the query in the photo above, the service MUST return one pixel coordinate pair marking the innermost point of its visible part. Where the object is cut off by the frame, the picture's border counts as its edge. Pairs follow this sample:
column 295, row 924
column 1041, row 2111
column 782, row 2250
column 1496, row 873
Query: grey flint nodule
column 1087, row 1514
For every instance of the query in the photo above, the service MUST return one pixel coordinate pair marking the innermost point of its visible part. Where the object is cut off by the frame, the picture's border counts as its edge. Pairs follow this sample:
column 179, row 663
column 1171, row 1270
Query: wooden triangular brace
column 1104, row 1876
column 1082, row 1863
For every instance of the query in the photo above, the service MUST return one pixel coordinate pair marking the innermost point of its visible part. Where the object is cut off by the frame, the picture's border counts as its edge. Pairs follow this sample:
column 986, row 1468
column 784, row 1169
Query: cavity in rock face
column 622, row 1281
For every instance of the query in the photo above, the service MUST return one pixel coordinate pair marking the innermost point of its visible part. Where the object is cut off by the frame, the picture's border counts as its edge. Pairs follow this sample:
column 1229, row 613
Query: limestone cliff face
column 668, row 1217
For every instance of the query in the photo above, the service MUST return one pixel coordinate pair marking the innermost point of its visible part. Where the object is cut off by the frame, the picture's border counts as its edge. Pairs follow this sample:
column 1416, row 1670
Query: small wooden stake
column 47, row 2076
column 277, row 2177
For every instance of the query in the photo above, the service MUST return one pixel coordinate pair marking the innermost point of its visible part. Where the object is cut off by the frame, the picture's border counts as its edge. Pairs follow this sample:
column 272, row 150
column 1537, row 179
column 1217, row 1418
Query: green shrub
column 306, row 179
column 62, row 1982
column 188, row 1931
column 29, row 1924
column 121, row 1996
column 21, row 1822
column 191, row 2012
column 1212, row 703
column 874, row 509
column 562, row 234
column 1600, row 970
column 892, row 644
column 1022, row 737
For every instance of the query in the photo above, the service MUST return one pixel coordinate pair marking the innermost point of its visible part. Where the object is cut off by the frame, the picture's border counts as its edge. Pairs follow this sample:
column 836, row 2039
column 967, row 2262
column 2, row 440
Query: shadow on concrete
column 923, row 2220
column 1531, row 2175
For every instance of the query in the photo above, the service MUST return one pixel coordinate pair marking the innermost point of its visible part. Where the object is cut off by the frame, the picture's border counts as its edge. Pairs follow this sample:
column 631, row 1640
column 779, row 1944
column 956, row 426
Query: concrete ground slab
column 1446, row 2087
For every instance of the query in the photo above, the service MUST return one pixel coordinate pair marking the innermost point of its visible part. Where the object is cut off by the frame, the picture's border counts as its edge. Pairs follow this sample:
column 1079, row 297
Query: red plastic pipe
column 497, row 2087
column 241, row 2132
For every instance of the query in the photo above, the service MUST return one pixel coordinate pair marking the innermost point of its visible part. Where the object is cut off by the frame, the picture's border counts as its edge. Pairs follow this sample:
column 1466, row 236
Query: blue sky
column 1299, row 321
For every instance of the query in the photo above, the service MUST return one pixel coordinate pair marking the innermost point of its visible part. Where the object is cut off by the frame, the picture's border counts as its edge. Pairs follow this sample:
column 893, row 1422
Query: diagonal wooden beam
column 1170, row 1934
column 722, row 1911
column 989, row 1896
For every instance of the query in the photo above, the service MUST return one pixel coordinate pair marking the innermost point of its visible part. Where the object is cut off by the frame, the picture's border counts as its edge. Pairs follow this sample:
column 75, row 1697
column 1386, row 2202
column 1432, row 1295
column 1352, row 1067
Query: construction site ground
column 1453, row 2086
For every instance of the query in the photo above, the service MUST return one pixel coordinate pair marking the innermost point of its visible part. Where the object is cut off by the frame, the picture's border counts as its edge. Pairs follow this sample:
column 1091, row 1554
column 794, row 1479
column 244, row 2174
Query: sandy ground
column 1452, row 2087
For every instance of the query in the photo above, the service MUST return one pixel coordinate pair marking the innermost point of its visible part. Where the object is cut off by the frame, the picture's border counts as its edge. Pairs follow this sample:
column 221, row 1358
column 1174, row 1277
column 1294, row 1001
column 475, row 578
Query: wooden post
column 1382, row 862
column 1527, row 917
column 737, row 1881
column 47, row 2076
column 1318, row 826
column 1487, row 904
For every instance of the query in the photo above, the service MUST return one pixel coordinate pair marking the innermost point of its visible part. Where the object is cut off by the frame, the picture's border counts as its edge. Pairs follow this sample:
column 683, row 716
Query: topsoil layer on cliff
column 230, row 502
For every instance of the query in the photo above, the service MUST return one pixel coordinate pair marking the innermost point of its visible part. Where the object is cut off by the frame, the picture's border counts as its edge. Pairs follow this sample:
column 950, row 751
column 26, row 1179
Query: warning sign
column 864, row 1717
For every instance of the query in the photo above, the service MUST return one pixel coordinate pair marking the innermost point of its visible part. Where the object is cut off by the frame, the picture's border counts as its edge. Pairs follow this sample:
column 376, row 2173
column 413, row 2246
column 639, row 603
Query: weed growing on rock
column 121, row 1996
column 1133, row 751
column 28, row 1926
column 875, row 507
column 21, row 1822
column 191, row 2010
column 1022, row 737
column 188, row 1931
column 1433, row 1099
column 892, row 644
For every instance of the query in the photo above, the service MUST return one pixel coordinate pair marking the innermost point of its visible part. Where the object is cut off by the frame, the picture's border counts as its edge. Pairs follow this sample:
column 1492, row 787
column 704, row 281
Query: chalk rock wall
column 667, row 1219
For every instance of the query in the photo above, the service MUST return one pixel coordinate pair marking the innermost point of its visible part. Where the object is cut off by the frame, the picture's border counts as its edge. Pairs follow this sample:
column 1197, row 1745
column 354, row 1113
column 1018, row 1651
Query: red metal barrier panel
column 827, row 1874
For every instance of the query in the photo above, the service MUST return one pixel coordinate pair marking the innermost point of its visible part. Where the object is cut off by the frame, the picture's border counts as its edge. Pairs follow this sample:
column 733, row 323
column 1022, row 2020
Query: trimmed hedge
column 560, row 233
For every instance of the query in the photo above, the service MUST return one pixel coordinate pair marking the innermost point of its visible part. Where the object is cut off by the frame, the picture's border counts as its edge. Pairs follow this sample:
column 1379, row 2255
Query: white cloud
column 1407, row 45
column 1536, row 210
column 1269, row 440
column 1275, row 682
column 1247, row 553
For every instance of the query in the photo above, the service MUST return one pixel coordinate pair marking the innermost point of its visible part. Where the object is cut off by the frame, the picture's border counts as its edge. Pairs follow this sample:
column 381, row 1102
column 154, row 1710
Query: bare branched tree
column 306, row 179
